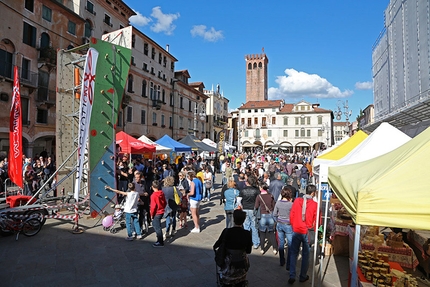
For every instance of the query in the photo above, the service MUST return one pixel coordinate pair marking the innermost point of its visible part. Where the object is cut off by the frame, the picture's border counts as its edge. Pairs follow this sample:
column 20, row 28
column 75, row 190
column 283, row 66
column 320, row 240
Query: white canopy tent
column 226, row 147
column 158, row 148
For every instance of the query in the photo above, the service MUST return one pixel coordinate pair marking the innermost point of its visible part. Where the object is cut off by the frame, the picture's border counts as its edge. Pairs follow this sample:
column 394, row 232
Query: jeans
column 249, row 224
column 156, row 223
column 206, row 192
column 285, row 231
column 266, row 223
column 171, row 220
column 303, row 183
column 132, row 224
column 299, row 239
column 229, row 218
column 224, row 179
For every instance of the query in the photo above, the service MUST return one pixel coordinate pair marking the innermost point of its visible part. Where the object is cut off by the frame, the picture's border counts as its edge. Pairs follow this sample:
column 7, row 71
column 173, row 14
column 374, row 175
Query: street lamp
column 240, row 129
column 347, row 113
column 326, row 127
column 201, row 114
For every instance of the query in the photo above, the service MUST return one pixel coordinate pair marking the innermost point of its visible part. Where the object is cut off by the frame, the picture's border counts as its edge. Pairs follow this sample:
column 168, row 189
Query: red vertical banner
column 15, row 134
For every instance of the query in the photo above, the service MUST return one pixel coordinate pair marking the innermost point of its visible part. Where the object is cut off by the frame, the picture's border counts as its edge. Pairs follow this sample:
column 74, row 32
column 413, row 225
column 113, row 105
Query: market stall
column 131, row 145
column 158, row 148
column 386, row 190
column 419, row 240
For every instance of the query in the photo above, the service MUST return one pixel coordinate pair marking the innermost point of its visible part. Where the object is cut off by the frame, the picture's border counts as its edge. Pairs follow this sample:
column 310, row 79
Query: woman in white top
column 130, row 210
column 207, row 184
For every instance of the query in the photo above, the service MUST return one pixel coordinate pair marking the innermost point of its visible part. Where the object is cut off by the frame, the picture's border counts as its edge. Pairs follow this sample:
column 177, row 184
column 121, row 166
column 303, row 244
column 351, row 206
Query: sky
column 318, row 51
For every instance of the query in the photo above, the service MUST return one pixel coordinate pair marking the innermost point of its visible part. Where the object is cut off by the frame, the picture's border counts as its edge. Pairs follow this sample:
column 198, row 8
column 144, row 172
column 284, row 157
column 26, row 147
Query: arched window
column 130, row 84
column 144, row 88
column 44, row 40
column 249, row 66
column 88, row 28
column 260, row 65
column 255, row 65
column 151, row 91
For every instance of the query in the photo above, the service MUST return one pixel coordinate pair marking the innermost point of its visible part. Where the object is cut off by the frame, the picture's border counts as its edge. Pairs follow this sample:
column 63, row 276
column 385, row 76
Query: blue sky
column 319, row 51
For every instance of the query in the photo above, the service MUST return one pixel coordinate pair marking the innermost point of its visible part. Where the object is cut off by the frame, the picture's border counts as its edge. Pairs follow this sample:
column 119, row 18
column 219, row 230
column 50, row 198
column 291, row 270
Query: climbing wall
column 112, row 71
column 66, row 126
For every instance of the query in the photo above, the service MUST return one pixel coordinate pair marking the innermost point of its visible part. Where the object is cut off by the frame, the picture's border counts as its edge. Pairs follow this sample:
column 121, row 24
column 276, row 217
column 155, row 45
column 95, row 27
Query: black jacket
column 249, row 195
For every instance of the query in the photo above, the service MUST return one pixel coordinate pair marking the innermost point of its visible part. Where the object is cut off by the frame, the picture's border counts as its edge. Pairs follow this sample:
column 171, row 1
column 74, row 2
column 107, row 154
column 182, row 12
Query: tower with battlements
column 256, row 77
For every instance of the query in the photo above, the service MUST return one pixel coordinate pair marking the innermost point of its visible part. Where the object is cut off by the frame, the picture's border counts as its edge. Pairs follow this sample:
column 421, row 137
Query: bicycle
column 28, row 226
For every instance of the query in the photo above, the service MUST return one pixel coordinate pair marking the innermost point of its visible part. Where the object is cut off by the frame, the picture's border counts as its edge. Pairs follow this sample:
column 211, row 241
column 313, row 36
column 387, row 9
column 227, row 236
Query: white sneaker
column 195, row 230
column 166, row 235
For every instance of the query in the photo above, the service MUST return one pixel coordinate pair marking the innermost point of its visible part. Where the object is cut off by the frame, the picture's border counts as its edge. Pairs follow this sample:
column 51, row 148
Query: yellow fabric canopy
column 389, row 190
column 343, row 149
column 321, row 163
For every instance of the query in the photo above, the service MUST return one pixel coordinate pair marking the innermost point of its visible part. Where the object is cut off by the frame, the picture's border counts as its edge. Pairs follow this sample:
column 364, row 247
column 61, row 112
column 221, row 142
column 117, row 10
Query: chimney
column 167, row 47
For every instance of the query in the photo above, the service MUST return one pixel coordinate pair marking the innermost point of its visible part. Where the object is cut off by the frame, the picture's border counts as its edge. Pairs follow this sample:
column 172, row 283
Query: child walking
column 183, row 211
column 130, row 210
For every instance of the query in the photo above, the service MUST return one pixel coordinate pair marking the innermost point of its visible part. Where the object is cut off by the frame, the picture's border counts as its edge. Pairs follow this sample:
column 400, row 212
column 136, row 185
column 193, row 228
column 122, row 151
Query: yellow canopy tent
column 389, row 190
column 320, row 163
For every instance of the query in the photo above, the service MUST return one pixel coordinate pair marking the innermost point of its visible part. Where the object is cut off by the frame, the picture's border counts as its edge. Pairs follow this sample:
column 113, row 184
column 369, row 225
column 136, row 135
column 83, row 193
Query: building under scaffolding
column 401, row 67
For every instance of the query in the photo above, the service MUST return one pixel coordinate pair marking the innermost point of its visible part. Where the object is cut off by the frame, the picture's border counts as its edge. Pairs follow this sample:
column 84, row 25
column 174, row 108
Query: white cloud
column 300, row 84
column 139, row 19
column 164, row 22
column 210, row 35
column 364, row 85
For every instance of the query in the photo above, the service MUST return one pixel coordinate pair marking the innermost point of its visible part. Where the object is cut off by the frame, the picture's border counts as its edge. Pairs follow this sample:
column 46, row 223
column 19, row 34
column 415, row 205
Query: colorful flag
column 15, row 134
column 86, row 105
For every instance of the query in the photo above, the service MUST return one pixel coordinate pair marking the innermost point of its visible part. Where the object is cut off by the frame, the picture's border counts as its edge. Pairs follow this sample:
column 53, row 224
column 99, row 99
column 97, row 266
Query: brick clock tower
column 256, row 77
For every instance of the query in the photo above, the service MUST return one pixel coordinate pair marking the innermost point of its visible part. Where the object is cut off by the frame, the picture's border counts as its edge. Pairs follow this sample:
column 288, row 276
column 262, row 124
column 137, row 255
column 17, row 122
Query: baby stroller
column 118, row 219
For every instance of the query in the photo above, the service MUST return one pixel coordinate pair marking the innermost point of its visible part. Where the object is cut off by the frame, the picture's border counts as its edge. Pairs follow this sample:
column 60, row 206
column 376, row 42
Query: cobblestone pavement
column 57, row 257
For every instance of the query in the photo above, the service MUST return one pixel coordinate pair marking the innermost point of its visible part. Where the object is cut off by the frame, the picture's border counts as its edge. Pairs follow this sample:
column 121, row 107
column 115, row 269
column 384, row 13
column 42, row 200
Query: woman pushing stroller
column 234, row 244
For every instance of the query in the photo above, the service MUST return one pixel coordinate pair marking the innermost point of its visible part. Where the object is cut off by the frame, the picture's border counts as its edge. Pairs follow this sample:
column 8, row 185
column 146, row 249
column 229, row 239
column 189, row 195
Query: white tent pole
column 316, row 235
column 324, row 231
column 354, row 279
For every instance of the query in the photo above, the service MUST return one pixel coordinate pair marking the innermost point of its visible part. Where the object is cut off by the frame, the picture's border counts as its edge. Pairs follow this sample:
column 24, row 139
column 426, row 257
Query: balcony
column 46, row 96
column 157, row 104
column 48, row 55
column 28, row 78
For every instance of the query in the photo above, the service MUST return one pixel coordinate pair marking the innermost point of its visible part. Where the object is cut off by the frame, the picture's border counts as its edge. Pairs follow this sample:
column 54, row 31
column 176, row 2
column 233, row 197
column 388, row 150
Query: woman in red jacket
column 158, row 203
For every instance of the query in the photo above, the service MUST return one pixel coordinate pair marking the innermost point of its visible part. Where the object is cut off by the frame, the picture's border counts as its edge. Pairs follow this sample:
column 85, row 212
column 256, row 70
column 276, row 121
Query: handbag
column 208, row 184
column 176, row 196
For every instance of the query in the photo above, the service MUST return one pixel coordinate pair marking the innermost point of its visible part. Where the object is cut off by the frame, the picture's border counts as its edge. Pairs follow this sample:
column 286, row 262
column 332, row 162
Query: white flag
column 85, row 107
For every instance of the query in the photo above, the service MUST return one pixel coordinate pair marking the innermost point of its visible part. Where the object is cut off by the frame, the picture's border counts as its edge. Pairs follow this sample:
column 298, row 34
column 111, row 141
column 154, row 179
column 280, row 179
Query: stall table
column 420, row 242
column 365, row 283
column 404, row 256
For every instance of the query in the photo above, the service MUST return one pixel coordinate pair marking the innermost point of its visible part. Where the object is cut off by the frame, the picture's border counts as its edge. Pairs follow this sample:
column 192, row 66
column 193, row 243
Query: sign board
column 325, row 191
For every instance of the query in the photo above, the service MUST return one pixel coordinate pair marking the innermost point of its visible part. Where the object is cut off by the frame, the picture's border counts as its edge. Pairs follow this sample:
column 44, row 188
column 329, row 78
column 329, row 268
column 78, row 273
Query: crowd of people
column 36, row 171
column 278, row 207
column 265, row 195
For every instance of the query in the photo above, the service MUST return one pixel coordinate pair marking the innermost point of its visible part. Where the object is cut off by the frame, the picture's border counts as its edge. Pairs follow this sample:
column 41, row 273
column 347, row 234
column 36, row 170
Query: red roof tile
column 260, row 104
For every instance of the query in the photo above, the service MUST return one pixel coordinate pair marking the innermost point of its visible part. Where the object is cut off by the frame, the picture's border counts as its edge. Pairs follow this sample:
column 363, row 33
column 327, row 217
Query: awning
column 249, row 145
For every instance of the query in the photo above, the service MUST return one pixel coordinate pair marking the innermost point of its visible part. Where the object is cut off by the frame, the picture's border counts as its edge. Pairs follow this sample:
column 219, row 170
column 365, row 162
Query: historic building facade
column 157, row 99
column 217, row 112
column 273, row 124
